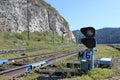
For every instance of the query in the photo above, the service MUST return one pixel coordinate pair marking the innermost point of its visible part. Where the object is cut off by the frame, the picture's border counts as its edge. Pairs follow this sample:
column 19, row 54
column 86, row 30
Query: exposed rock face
column 16, row 15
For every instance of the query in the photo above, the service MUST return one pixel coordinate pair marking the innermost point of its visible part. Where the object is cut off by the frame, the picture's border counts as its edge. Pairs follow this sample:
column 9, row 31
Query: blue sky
column 84, row 13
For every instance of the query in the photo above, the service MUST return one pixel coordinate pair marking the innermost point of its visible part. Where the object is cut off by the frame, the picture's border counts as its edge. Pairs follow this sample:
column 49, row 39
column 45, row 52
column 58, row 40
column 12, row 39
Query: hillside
column 36, row 19
column 108, row 36
column 103, row 36
column 35, row 15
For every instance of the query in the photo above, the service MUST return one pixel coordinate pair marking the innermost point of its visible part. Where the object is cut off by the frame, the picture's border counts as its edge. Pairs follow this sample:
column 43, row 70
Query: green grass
column 61, row 65
column 106, row 51
column 3, row 77
column 31, row 76
column 95, row 74
column 37, row 40
column 16, row 40
column 99, row 73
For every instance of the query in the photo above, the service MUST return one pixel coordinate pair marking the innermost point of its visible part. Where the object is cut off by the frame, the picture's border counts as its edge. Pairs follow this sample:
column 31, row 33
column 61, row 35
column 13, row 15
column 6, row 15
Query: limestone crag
column 19, row 15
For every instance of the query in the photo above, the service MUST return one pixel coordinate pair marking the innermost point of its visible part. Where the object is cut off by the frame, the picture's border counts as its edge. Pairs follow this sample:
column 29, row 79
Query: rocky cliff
column 33, row 15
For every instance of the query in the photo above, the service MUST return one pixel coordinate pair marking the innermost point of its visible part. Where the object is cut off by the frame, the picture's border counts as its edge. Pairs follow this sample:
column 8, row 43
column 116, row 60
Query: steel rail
column 19, row 50
column 115, row 47
column 12, row 51
column 34, row 56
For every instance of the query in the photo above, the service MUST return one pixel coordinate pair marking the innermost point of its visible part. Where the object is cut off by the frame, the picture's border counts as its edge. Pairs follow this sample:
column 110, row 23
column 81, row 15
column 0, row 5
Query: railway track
column 15, row 72
column 115, row 47
column 12, row 51
column 19, row 61
column 24, row 58
column 33, row 56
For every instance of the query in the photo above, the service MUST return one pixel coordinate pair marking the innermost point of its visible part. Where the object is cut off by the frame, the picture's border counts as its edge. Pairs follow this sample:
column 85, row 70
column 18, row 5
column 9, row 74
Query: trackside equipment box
column 104, row 62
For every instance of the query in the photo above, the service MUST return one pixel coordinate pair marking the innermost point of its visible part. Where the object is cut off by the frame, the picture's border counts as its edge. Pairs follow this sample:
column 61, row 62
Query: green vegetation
column 61, row 65
column 95, row 74
column 31, row 76
column 37, row 40
column 84, row 77
column 3, row 77
column 99, row 73
column 17, row 40
column 106, row 51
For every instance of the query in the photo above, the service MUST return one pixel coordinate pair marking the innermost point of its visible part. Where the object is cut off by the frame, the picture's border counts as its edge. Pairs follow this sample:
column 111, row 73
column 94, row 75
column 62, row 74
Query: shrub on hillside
column 20, row 36
column 6, row 36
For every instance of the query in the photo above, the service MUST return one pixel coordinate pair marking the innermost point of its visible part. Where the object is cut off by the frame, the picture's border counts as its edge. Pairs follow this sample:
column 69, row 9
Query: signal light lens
column 89, row 42
column 88, row 31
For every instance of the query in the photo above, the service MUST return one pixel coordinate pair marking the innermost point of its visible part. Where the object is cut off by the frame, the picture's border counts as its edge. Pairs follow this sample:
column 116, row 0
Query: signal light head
column 88, row 31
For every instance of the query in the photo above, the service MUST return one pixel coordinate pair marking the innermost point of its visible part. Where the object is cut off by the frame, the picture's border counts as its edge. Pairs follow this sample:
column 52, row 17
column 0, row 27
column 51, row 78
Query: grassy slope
column 16, row 40
column 37, row 40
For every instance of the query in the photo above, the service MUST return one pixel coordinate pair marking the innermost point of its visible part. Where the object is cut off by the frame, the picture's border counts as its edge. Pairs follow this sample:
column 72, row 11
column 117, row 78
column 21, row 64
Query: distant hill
column 78, row 35
column 103, row 36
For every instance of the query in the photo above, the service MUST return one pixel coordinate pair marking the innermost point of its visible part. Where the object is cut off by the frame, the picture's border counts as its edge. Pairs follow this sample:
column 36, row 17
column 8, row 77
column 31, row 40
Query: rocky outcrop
column 33, row 15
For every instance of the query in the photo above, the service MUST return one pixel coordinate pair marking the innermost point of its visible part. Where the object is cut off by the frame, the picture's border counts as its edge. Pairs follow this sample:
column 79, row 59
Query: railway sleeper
column 15, row 76
column 57, row 72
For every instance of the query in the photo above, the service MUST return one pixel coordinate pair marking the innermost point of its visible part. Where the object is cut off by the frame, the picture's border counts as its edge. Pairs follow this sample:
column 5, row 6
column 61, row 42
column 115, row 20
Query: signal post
column 86, row 57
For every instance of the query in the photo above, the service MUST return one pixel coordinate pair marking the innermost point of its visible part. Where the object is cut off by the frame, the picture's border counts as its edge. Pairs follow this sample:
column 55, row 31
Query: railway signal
column 86, row 57
column 89, row 33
